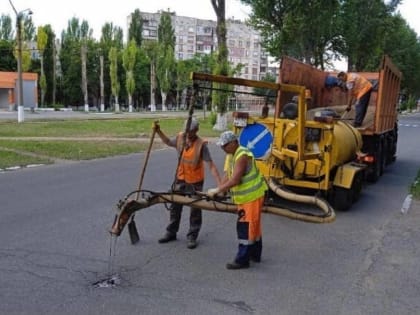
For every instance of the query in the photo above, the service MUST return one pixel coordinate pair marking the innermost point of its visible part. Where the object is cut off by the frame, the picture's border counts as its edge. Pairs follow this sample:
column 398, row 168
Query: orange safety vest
column 191, row 166
column 360, row 84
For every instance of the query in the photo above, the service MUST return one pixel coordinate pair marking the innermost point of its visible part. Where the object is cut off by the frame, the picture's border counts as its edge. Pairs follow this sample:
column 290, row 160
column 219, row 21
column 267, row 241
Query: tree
column 42, row 39
column 7, row 60
column 151, row 48
column 363, row 27
column 136, row 28
column 49, row 63
column 403, row 46
column 220, row 99
column 129, row 61
column 110, row 37
column 113, row 73
column 6, row 29
column 29, row 29
column 166, row 57
column 306, row 30
column 71, row 60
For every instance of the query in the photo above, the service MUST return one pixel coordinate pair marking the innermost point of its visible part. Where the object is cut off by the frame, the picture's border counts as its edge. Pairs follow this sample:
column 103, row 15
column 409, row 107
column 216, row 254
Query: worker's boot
column 192, row 243
column 168, row 238
column 234, row 265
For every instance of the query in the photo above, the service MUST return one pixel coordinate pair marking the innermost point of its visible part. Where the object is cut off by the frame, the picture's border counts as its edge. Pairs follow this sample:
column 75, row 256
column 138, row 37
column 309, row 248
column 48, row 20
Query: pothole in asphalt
column 110, row 282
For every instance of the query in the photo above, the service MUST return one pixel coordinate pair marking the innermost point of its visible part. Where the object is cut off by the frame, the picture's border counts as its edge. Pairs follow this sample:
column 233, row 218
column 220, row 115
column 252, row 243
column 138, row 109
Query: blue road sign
column 257, row 138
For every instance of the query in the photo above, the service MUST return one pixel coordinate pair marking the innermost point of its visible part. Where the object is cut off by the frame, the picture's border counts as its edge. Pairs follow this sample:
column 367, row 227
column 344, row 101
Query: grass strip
column 72, row 150
column 415, row 187
column 123, row 128
column 12, row 159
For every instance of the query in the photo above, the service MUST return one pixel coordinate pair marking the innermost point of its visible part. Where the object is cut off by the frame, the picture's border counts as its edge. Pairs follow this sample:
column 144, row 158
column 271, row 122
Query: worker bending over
column 360, row 89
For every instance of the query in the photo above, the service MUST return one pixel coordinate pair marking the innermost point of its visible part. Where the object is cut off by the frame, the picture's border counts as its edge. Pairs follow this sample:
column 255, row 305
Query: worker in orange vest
column 360, row 89
column 189, row 178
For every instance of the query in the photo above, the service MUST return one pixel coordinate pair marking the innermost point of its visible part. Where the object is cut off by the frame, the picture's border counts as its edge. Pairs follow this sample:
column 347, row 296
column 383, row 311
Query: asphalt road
column 56, row 246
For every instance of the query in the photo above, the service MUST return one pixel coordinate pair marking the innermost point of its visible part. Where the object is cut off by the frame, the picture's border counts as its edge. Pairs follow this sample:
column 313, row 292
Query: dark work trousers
column 361, row 108
column 176, row 211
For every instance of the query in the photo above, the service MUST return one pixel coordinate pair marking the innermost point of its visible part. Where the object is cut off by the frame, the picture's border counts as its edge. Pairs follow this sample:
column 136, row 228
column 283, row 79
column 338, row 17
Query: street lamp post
column 19, row 16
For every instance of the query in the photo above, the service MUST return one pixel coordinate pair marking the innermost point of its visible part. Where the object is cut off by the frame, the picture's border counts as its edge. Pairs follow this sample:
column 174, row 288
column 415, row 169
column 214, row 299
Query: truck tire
column 375, row 169
column 384, row 156
column 343, row 198
column 357, row 186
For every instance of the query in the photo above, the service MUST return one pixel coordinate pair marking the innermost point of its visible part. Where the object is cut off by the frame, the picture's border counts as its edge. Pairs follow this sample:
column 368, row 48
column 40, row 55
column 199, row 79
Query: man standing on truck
column 247, row 187
column 360, row 89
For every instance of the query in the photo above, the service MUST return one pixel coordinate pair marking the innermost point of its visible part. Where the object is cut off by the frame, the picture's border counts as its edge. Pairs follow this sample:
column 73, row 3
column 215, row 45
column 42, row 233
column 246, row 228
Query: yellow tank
column 333, row 145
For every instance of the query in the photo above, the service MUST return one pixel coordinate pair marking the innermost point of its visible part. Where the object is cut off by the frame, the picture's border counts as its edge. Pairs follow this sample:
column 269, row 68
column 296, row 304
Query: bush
column 57, row 106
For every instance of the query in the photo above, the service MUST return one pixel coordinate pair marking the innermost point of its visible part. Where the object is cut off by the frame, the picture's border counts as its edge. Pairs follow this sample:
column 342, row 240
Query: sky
column 98, row 12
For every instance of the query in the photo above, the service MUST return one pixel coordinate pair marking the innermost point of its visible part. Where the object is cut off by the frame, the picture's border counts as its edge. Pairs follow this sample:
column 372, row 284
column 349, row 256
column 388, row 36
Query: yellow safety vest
column 252, row 185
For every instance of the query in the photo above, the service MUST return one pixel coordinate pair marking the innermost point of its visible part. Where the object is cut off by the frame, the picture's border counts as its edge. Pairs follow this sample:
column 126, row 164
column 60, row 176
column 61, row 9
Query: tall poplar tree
column 220, row 98
column 113, row 73
column 166, row 58
column 129, row 61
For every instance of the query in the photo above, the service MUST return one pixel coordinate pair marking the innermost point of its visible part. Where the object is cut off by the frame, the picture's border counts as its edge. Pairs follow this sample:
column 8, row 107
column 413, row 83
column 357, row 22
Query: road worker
column 247, row 188
column 189, row 177
column 360, row 89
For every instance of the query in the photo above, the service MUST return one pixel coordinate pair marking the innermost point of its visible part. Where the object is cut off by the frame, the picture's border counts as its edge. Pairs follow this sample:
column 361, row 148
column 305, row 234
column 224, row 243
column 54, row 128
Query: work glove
column 213, row 192
column 348, row 108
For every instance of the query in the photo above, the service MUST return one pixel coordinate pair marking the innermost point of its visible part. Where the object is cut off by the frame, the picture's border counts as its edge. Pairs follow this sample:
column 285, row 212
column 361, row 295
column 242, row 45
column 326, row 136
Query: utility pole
column 19, row 16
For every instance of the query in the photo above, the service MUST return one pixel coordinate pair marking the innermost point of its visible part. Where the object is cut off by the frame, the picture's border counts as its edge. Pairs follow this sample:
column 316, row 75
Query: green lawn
column 75, row 140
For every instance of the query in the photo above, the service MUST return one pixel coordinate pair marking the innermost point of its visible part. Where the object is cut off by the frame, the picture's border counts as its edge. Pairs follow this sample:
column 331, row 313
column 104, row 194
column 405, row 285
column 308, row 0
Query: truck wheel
column 342, row 198
column 375, row 171
column 357, row 186
column 384, row 156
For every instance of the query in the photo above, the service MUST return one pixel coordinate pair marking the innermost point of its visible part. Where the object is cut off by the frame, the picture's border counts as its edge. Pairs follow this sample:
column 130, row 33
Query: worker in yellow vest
column 189, row 177
column 247, row 188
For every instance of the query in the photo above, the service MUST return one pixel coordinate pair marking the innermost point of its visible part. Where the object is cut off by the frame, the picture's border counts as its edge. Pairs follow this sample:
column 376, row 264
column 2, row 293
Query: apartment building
column 197, row 36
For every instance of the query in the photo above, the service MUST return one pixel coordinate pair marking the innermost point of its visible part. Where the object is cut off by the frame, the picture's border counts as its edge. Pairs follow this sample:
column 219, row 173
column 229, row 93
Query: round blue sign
column 257, row 138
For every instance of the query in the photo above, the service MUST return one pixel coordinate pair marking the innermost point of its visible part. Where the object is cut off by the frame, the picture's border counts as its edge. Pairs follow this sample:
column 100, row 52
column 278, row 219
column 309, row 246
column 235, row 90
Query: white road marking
column 406, row 204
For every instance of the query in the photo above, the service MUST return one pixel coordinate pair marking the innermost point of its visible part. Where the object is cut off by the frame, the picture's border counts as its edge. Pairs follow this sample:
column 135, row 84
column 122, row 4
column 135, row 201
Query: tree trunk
column 84, row 78
column 54, row 58
column 117, row 105
column 130, row 103
column 152, row 87
column 221, row 122
column 164, row 101
column 221, row 98
column 101, row 80
column 42, row 75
